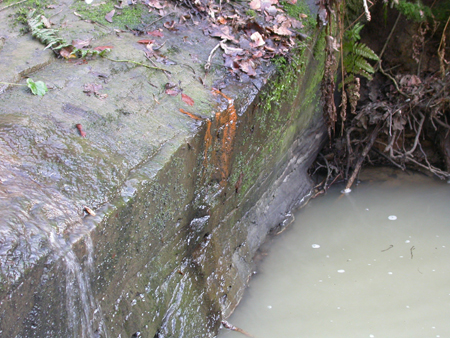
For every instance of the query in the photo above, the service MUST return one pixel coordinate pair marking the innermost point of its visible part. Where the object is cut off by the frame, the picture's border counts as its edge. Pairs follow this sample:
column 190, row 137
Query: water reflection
column 373, row 263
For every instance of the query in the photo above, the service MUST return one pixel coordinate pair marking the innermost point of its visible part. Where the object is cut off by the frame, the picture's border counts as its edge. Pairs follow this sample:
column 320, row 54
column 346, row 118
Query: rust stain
column 226, row 129
column 192, row 116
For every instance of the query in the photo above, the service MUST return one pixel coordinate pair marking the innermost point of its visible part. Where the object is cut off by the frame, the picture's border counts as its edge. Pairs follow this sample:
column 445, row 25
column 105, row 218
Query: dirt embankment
column 402, row 115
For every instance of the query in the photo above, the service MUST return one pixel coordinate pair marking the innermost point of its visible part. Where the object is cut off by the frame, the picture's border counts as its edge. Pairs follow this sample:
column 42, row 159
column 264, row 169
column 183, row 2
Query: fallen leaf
column 186, row 99
column 282, row 30
column 257, row 39
column 172, row 92
column 155, row 4
column 77, row 43
column 170, row 25
column 146, row 41
column 156, row 33
column 46, row 22
column 89, row 211
column 109, row 16
column 255, row 4
column 93, row 89
column 230, row 50
column 66, row 52
column 80, row 130
column 101, row 48
column 248, row 67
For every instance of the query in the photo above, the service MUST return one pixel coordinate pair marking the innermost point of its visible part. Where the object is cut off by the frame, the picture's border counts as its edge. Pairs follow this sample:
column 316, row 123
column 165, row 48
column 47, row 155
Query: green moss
column 301, row 7
column 129, row 17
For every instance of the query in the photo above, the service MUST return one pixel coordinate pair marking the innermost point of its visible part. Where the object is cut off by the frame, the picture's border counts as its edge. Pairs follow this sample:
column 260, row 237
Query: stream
column 372, row 263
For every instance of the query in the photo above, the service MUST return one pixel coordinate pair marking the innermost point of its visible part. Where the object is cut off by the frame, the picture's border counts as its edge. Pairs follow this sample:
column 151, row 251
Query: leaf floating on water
column 109, row 16
column 186, row 99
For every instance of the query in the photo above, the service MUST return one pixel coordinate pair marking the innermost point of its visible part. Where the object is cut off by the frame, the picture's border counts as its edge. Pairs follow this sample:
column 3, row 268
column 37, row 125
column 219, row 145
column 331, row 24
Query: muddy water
column 374, row 263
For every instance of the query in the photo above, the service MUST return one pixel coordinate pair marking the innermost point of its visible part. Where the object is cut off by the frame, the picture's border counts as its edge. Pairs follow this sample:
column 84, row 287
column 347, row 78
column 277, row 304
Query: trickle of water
column 81, row 305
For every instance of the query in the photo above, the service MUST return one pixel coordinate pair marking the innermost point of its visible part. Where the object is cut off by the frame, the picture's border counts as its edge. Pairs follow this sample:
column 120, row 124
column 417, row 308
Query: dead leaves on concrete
column 246, row 42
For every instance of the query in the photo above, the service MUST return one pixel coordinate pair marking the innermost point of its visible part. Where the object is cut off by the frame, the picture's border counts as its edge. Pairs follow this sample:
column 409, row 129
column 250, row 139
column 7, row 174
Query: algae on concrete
column 181, row 204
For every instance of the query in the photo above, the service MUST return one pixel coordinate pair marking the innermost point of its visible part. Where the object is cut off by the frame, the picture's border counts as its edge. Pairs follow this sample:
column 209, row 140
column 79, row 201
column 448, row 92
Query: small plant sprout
column 37, row 88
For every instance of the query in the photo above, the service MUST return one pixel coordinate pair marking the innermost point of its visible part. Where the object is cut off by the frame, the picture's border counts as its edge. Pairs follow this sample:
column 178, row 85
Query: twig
column 12, row 84
column 138, row 63
column 393, row 80
column 16, row 3
column 387, row 41
column 208, row 64
column 234, row 328
column 416, row 140
column 366, row 150
column 388, row 158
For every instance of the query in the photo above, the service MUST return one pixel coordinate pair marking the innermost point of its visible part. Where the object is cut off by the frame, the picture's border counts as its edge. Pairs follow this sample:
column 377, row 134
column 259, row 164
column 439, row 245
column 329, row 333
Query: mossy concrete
column 182, row 204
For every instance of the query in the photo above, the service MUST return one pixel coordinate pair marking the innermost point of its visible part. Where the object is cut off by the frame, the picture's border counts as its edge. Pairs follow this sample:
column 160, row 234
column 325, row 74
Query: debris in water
column 89, row 211
column 392, row 218
column 234, row 328
column 346, row 191
column 341, row 271
column 315, row 246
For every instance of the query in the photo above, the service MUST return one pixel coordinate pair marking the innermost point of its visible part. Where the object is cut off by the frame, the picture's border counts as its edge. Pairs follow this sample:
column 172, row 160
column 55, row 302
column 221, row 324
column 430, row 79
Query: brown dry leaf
column 223, row 32
column 46, row 22
column 172, row 92
column 101, row 48
column 155, row 4
column 255, row 4
column 77, row 43
column 156, row 33
column 257, row 39
column 146, row 41
column 170, row 25
column 66, row 53
column 186, row 99
column 222, row 20
column 231, row 50
column 282, row 30
column 109, row 16
column 93, row 89
column 248, row 67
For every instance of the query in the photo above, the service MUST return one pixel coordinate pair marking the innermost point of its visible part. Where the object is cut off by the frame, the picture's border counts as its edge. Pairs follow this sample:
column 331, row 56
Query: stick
column 138, row 63
column 16, row 3
column 234, row 328
column 366, row 150
column 208, row 64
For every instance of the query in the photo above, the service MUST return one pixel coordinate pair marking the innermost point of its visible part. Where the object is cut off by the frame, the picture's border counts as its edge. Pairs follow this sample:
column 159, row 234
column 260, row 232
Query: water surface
column 373, row 263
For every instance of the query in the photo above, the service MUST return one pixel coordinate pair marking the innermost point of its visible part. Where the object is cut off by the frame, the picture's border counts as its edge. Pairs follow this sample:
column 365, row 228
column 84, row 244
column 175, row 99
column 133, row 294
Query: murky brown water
column 374, row 263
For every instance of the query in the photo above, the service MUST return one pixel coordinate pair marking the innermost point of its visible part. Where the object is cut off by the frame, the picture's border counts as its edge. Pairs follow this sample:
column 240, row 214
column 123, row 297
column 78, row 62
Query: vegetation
column 395, row 122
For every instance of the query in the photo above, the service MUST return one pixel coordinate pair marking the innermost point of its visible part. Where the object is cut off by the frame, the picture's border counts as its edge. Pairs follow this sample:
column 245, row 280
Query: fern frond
column 362, row 64
column 365, row 51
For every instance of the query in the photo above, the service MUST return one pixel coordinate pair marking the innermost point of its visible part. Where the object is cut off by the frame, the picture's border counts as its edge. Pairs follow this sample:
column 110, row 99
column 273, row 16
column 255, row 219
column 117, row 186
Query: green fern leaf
column 361, row 64
column 363, row 50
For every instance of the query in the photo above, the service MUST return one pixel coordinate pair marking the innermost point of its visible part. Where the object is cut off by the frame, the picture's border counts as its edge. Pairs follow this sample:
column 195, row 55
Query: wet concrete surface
column 181, row 204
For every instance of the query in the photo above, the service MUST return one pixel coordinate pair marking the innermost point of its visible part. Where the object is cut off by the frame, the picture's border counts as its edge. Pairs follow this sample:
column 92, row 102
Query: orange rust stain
column 192, row 116
column 226, row 123
column 207, row 142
